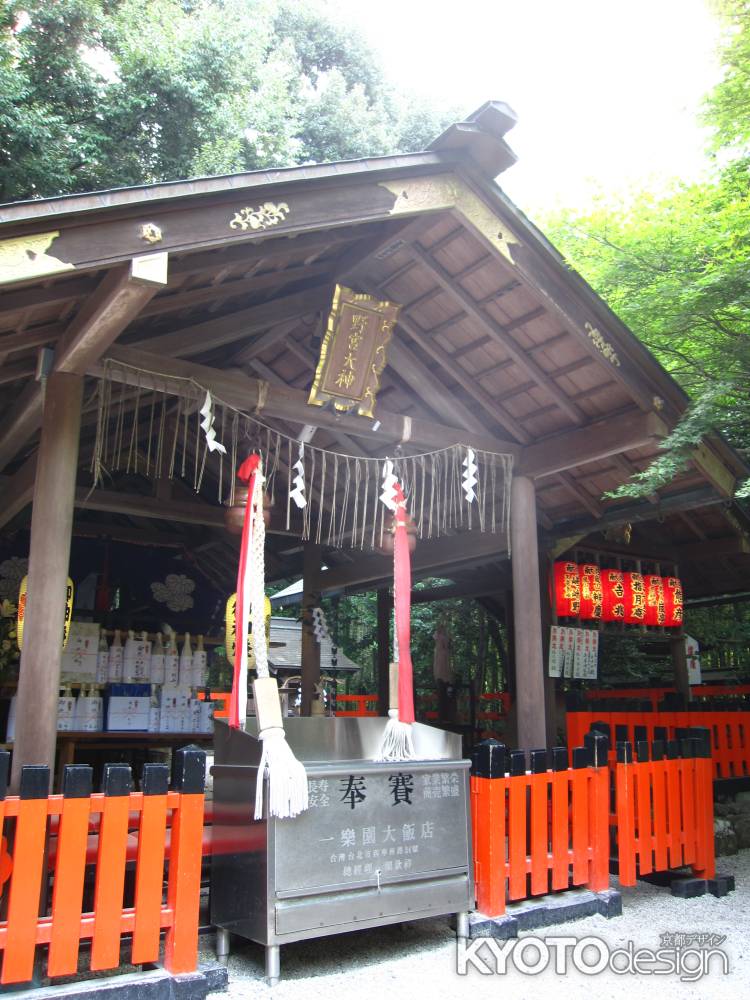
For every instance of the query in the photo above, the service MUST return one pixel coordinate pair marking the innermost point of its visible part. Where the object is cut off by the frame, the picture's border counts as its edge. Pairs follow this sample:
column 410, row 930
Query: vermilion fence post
column 624, row 791
column 539, row 825
column 110, row 867
column 183, row 893
column 518, row 784
column 705, row 862
column 26, row 878
column 149, row 879
column 70, row 871
column 560, row 819
column 488, row 791
column 599, row 813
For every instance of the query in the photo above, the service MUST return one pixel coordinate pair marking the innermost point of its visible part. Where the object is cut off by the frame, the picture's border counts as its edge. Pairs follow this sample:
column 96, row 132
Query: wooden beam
column 150, row 507
column 102, row 318
column 715, row 471
column 467, row 548
column 591, row 443
column 14, row 373
column 468, row 382
column 177, row 511
column 291, row 404
column 712, row 548
column 202, row 337
column 35, row 297
column 233, row 289
column 432, row 392
column 18, row 492
column 671, row 504
column 117, row 300
column 580, row 493
column 495, row 330
column 37, row 336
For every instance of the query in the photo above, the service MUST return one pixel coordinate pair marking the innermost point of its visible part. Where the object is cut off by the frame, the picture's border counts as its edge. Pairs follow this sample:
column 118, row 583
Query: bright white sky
column 606, row 91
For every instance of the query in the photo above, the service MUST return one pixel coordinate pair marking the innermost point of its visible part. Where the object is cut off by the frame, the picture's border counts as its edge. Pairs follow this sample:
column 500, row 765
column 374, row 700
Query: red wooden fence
column 730, row 732
column 88, row 901
column 538, row 831
column 663, row 816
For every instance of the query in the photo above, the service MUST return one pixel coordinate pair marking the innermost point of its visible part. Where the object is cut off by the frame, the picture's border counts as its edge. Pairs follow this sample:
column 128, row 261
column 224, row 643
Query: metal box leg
column 222, row 945
column 462, row 925
column 273, row 964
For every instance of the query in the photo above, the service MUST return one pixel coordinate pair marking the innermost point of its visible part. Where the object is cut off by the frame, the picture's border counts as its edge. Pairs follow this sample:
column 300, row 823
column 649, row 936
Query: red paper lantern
column 635, row 599
column 591, row 591
column 566, row 589
column 655, row 610
column 613, row 595
column 673, row 609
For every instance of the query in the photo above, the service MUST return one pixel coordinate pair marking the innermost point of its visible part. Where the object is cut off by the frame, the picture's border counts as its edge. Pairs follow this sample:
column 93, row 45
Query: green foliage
column 728, row 106
column 104, row 93
column 676, row 268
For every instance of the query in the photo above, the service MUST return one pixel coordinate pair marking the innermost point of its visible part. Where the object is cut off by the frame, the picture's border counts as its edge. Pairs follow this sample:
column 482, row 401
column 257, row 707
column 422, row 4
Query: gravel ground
column 418, row 960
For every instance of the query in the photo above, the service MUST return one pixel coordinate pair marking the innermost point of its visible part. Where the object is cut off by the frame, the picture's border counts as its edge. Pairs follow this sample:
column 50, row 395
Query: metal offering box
column 380, row 843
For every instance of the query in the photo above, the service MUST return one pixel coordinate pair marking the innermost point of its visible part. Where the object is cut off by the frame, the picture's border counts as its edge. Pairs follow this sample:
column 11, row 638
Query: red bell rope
column 246, row 474
column 402, row 607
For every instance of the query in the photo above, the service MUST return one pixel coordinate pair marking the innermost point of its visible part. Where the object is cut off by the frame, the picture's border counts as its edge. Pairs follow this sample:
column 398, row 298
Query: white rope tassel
column 287, row 778
column 397, row 743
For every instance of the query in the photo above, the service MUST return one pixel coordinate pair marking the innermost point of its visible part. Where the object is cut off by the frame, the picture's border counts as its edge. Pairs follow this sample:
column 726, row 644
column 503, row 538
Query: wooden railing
column 730, row 732
column 663, row 816
column 540, row 830
column 78, row 843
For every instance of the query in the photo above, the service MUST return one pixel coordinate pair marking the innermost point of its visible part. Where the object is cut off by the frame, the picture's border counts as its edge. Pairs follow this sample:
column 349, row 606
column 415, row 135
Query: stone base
column 153, row 984
column 688, row 886
column 545, row 911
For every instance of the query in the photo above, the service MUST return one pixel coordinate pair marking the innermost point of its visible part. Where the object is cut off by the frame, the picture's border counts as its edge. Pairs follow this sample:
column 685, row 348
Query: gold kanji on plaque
column 352, row 354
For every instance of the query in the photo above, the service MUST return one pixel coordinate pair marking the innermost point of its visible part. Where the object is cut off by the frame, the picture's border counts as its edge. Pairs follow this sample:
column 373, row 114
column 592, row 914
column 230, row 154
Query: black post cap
column 673, row 749
column 78, row 781
column 4, row 773
column 539, row 761
column 189, row 770
column 155, row 779
column 598, row 746
column 641, row 751
column 624, row 752
column 660, row 733
column 689, row 747
column 34, row 781
column 117, row 780
column 517, row 762
column 560, row 759
column 703, row 735
column 581, row 757
column 489, row 759
column 657, row 750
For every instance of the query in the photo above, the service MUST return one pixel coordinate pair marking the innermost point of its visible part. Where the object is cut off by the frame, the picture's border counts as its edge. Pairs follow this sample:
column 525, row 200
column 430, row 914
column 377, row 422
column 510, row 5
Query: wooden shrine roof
column 498, row 342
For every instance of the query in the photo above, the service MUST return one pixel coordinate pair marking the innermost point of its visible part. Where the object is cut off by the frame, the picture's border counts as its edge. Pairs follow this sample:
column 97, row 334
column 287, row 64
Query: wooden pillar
column 385, row 610
column 49, row 556
column 527, row 617
column 680, row 667
column 310, row 645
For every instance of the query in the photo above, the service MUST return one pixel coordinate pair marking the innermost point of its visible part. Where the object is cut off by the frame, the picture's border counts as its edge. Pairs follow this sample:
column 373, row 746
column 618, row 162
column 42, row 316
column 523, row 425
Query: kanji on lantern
column 566, row 586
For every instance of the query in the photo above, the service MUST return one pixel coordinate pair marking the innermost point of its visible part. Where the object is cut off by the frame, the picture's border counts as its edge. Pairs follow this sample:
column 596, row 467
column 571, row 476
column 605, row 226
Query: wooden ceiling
column 497, row 342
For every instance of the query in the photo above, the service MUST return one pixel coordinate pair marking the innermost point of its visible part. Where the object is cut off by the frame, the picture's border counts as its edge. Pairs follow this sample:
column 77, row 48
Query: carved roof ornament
column 27, row 257
column 263, row 217
column 429, row 194
column 602, row 345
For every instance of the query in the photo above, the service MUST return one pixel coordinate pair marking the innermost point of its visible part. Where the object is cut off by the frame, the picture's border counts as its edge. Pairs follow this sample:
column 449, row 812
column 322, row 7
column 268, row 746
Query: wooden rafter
column 199, row 338
column 497, row 333
column 119, row 297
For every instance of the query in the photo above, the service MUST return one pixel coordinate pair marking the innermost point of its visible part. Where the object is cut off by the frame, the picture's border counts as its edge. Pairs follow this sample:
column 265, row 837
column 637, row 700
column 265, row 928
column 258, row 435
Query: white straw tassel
column 397, row 743
column 287, row 778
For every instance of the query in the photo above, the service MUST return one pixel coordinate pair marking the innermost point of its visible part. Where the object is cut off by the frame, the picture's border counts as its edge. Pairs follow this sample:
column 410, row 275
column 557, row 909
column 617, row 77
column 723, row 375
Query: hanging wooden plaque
column 353, row 351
